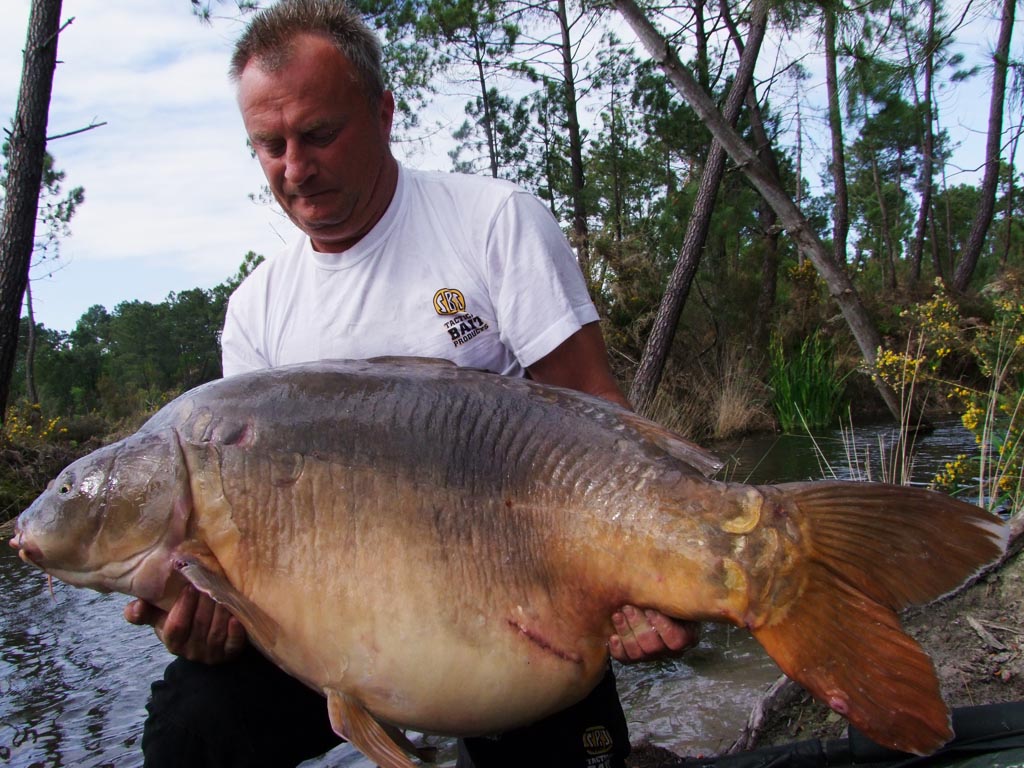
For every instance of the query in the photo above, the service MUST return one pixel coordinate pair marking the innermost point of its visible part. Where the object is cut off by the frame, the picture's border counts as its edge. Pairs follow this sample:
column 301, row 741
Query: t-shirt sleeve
column 239, row 350
column 537, row 288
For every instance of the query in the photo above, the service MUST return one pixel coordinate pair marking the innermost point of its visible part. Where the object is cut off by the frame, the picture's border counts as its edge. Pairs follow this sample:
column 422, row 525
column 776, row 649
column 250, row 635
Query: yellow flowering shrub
column 992, row 412
column 25, row 425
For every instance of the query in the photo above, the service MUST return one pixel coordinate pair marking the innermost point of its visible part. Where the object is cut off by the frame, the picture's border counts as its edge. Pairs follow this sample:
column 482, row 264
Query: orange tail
column 876, row 549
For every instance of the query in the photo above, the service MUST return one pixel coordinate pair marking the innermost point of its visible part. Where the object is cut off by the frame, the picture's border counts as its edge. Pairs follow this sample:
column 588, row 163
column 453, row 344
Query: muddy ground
column 975, row 638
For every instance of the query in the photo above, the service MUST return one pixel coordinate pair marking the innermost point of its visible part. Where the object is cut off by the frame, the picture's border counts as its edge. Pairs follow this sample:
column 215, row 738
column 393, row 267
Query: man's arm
column 581, row 363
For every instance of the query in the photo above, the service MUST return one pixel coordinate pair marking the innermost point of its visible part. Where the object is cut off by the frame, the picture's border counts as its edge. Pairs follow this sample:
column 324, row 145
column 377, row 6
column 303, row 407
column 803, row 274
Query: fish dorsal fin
column 352, row 722
column 262, row 629
column 411, row 360
column 675, row 445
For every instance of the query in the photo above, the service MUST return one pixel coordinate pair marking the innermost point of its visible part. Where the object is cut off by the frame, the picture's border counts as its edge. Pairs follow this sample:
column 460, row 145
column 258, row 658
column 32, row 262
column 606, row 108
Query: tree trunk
column 925, row 183
column 770, row 231
column 30, row 350
column 837, row 281
column 485, row 101
column 24, row 176
column 987, row 204
column 1008, row 215
column 889, row 265
column 580, row 231
column 841, row 211
column 652, row 363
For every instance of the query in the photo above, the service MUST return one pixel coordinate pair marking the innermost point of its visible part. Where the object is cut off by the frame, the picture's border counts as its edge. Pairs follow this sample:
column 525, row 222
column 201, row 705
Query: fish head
column 111, row 520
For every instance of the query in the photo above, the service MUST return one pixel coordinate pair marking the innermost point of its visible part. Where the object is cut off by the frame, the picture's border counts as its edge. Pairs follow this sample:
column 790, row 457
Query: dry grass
column 723, row 399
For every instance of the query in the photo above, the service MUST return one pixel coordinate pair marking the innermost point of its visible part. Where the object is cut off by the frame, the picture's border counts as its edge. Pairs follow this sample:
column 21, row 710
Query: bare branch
column 76, row 131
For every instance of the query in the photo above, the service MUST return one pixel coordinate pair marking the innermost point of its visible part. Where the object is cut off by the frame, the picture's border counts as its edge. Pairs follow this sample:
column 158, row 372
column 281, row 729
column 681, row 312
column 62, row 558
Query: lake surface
column 74, row 677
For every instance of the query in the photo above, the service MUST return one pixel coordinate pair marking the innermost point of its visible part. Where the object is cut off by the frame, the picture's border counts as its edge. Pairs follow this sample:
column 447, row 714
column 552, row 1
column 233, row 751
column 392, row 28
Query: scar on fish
column 537, row 639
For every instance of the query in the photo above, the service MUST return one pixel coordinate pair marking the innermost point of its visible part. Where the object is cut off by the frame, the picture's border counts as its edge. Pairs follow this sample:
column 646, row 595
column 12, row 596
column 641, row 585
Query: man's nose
column 299, row 165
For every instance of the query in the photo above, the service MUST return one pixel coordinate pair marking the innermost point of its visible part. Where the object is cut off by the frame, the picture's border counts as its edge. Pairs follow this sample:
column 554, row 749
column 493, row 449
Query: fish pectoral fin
column 864, row 667
column 262, row 629
column 352, row 722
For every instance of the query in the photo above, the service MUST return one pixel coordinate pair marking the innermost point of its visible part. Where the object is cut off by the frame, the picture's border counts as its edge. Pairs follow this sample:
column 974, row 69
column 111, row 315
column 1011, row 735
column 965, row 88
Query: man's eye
column 269, row 147
column 322, row 138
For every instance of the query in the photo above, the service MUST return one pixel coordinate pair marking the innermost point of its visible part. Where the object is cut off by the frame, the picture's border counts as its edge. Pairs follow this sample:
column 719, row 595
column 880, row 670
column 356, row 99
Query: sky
column 167, row 178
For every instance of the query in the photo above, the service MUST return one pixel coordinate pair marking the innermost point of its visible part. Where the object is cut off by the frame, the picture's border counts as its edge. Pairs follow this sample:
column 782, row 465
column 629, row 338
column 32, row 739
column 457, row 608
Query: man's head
column 314, row 106
column 270, row 37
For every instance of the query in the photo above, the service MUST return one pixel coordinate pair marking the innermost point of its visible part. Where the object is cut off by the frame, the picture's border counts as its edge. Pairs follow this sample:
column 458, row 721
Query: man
column 390, row 262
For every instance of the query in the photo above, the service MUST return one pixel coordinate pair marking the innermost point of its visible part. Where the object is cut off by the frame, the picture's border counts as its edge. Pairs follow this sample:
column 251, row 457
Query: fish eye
column 65, row 488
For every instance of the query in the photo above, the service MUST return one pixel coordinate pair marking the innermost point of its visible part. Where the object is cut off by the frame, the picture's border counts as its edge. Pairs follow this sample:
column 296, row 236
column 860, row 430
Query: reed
column 807, row 387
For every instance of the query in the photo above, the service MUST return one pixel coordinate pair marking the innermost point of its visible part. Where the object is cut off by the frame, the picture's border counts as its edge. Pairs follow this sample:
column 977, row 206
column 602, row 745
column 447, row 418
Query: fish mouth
column 117, row 576
column 27, row 551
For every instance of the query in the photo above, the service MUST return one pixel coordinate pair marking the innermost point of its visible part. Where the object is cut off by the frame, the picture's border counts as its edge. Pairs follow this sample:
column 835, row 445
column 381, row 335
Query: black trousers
column 247, row 713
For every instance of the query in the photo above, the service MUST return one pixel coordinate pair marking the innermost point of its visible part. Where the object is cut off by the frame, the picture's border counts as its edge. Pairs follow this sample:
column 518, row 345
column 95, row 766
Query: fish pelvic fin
column 873, row 549
column 351, row 721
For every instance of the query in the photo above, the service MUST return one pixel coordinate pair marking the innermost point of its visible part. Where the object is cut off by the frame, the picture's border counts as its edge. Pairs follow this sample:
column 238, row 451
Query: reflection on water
column 74, row 677
column 863, row 453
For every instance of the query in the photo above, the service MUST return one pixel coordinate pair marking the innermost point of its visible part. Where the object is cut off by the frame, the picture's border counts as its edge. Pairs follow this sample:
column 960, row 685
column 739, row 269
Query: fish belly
column 436, row 612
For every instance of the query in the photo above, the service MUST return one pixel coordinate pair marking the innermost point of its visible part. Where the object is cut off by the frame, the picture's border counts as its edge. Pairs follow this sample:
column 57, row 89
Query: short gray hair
column 269, row 38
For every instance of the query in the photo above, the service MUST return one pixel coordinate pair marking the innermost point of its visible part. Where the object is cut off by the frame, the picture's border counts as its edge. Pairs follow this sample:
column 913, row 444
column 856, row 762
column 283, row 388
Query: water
column 74, row 676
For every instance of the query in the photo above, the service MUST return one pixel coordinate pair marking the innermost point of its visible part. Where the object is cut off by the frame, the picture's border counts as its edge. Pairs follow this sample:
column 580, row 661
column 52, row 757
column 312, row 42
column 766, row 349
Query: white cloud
column 167, row 177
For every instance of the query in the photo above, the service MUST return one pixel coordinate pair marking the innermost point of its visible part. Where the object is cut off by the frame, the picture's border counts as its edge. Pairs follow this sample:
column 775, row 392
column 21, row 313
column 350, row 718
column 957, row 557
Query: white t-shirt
column 460, row 267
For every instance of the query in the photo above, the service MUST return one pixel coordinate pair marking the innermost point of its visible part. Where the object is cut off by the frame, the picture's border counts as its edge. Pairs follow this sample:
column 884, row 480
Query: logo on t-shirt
column 461, row 325
column 597, row 742
column 449, row 301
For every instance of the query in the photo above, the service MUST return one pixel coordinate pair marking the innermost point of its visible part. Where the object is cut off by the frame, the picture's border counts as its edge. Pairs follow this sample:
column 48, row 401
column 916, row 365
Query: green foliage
column 130, row 361
column 807, row 386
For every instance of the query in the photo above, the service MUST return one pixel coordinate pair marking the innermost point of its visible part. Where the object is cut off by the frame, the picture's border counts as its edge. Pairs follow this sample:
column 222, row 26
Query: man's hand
column 649, row 635
column 196, row 627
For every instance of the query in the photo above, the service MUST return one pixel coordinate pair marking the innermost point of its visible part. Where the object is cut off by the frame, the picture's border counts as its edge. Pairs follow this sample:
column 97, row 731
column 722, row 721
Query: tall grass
column 720, row 399
column 807, row 387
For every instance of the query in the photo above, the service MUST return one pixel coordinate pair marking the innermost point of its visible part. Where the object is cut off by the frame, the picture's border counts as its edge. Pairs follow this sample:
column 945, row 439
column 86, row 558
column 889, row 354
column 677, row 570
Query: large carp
column 442, row 549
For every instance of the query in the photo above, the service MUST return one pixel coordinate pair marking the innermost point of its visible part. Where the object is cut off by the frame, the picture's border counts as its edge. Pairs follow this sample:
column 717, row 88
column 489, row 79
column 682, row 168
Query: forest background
column 740, row 287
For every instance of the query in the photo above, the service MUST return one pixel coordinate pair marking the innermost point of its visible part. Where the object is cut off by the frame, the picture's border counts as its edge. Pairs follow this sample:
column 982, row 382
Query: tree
column 838, row 282
column 652, row 363
column 53, row 224
column 993, row 148
column 24, row 178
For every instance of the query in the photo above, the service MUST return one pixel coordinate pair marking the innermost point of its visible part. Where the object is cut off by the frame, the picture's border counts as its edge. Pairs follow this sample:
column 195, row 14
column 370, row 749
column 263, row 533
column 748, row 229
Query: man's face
column 322, row 145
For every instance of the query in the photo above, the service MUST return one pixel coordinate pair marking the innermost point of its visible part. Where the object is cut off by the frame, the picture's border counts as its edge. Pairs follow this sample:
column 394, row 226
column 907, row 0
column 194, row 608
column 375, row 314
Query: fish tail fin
column 874, row 549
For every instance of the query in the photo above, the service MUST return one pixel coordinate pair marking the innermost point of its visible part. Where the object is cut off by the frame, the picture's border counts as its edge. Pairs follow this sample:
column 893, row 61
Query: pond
column 74, row 677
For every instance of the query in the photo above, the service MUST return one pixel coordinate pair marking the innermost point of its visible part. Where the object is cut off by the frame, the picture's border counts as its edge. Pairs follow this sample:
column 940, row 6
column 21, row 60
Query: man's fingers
column 177, row 627
column 237, row 638
column 196, row 628
column 141, row 613
column 633, row 636
column 647, row 635
column 675, row 635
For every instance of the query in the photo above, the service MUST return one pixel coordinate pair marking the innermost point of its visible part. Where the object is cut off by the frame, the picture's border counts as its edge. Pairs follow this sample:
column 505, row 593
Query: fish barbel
column 442, row 549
